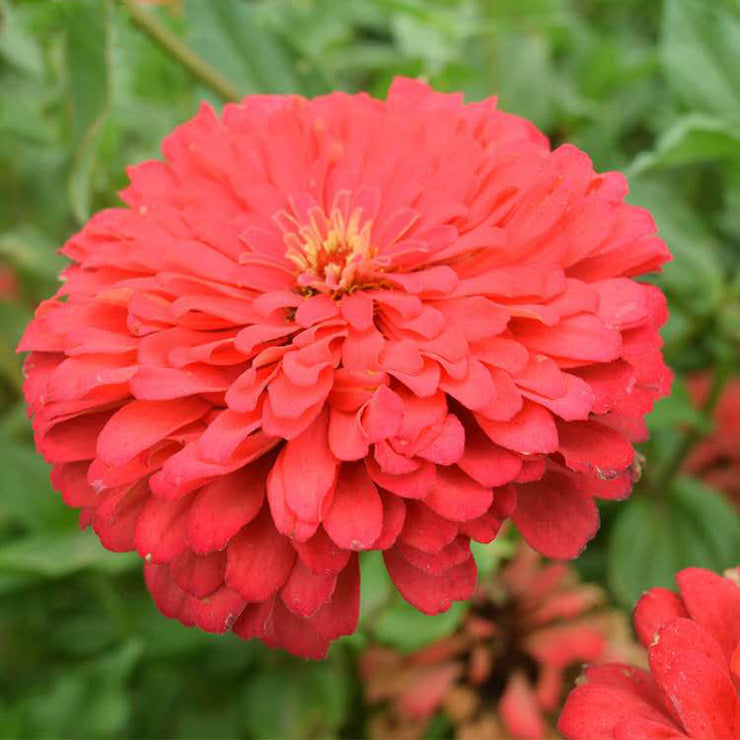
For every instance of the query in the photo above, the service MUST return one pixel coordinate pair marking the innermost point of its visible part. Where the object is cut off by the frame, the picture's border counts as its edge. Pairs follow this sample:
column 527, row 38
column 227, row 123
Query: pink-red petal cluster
column 325, row 326
column 502, row 674
column 691, row 690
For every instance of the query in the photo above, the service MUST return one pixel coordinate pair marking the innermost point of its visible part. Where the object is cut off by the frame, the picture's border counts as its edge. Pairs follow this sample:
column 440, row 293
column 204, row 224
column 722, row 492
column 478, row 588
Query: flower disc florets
column 327, row 326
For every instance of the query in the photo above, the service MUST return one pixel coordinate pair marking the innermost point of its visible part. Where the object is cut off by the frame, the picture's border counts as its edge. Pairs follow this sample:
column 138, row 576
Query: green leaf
column 230, row 35
column 700, row 53
column 26, row 495
column 655, row 537
column 107, row 706
column 525, row 75
column 488, row 556
column 695, row 274
column 406, row 628
column 677, row 410
column 377, row 589
column 301, row 700
column 88, row 55
column 90, row 702
column 33, row 254
column 59, row 554
column 692, row 139
column 17, row 45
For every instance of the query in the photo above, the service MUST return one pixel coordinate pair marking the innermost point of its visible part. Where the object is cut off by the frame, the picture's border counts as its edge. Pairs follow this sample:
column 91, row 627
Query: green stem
column 693, row 434
column 177, row 48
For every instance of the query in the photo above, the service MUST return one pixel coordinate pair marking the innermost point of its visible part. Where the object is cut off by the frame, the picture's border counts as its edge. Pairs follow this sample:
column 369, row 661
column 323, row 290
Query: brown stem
column 179, row 50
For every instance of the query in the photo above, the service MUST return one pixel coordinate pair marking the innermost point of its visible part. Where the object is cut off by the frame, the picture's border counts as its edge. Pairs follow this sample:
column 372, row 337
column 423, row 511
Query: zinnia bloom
column 327, row 326
column 693, row 644
column 716, row 459
column 502, row 673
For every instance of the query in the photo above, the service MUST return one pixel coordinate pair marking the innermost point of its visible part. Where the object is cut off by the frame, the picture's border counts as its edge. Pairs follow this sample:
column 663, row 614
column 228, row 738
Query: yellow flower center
column 332, row 254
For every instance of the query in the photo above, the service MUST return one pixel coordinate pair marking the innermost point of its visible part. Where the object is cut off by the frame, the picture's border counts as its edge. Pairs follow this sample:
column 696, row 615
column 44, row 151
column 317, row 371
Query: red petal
column 654, row 609
column 486, row 462
column 594, row 711
column 161, row 529
column 582, row 337
column 355, row 518
column 457, row 497
column 226, row 432
column 475, row 391
column 394, row 516
column 320, row 554
column 339, row 617
column 448, row 446
column 413, row 485
column 701, row 693
column 253, row 620
column 259, row 560
column 427, row 692
column 72, row 439
column 555, row 518
column 305, row 592
column 591, row 447
column 504, row 501
column 458, row 551
column 426, row 530
column 199, row 575
column 646, row 729
column 309, row 471
column 70, row 479
column 168, row 597
column 295, row 635
column 217, row 612
column 483, row 529
column 519, row 710
column 531, row 431
column 289, row 400
column 347, row 441
column 383, row 415
column 223, row 507
column 114, row 519
column 713, row 602
column 431, row 594
column 683, row 636
column 357, row 309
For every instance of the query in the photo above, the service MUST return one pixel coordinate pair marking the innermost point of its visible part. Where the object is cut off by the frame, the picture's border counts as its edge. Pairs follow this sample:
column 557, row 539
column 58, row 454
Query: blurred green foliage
column 649, row 87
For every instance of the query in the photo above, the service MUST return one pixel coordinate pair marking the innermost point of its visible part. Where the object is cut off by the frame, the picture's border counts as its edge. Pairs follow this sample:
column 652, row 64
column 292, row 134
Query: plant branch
column 179, row 50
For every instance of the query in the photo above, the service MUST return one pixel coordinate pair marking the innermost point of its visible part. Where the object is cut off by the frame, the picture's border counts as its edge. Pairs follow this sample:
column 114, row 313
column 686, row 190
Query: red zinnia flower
column 693, row 642
column 327, row 326
column 716, row 459
column 502, row 673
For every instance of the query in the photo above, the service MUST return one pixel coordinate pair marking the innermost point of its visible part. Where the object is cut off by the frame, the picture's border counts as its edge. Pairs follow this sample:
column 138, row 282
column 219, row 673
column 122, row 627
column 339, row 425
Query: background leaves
column 649, row 87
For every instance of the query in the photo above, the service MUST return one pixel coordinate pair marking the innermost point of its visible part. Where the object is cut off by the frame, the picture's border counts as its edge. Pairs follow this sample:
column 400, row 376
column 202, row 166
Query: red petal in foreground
column 355, row 518
column 554, row 518
column 259, row 560
column 431, row 594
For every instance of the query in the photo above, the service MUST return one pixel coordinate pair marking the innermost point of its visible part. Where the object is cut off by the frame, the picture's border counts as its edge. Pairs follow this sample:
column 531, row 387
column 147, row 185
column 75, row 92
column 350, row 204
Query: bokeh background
column 87, row 87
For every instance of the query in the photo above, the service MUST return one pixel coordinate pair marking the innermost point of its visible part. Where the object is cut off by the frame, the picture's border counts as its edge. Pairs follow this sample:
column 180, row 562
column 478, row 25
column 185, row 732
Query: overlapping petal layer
column 321, row 327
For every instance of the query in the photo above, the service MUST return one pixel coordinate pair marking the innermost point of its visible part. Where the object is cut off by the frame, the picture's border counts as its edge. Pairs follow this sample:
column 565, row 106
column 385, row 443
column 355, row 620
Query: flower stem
column 693, row 434
column 179, row 50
